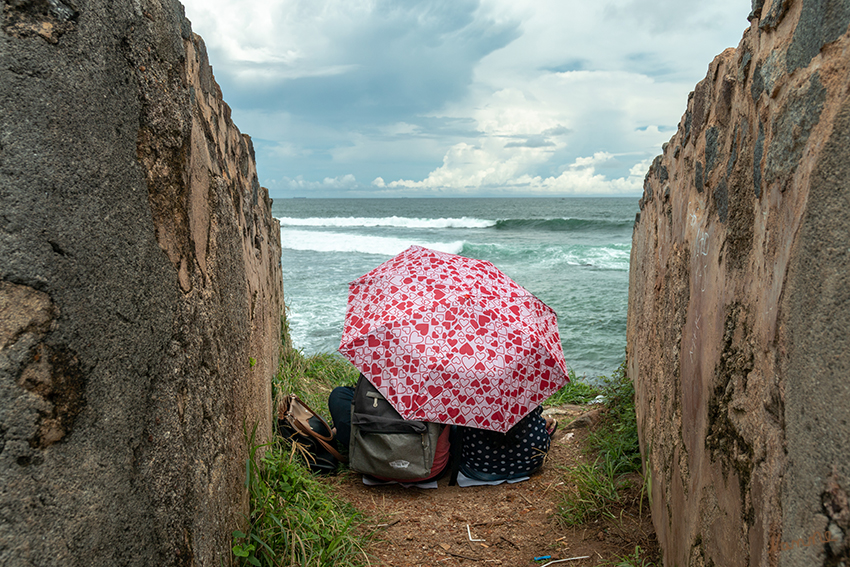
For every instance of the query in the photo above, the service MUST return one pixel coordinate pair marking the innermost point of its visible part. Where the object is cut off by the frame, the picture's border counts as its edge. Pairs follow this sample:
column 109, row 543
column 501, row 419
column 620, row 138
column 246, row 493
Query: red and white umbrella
column 452, row 340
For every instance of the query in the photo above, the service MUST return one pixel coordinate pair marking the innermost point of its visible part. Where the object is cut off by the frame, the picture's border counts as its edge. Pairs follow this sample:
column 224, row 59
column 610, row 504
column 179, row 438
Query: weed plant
column 616, row 439
column 637, row 559
column 595, row 488
column 294, row 520
column 576, row 391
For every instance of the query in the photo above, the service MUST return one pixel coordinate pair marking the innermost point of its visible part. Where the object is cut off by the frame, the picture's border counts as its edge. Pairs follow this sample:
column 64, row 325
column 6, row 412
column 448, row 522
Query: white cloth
column 464, row 481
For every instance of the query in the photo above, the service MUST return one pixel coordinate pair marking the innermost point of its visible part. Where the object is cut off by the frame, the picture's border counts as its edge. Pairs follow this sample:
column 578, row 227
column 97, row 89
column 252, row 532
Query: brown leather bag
column 301, row 425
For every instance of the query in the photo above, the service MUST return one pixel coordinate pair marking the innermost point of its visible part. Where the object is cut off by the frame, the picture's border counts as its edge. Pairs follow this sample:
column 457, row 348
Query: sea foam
column 295, row 239
column 394, row 222
column 611, row 257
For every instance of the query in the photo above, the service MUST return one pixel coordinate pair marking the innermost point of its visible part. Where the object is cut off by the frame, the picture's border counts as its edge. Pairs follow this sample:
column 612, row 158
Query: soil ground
column 509, row 524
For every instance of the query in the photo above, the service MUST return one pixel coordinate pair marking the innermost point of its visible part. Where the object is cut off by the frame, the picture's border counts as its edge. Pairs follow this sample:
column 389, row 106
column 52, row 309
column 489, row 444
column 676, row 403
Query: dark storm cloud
column 405, row 59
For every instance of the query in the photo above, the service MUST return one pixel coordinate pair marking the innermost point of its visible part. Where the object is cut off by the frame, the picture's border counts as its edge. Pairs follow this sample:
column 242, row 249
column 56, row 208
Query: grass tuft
column 595, row 488
column 294, row 520
column 616, row 439
column 637, row 559
column 576, row 391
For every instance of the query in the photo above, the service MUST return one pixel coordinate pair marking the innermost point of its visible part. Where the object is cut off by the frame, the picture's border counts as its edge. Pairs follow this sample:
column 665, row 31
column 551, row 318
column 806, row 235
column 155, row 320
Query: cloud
column 581, row 178
column 470, row 96
column 537, row 141
column 568, row 66
column 328, row 183
column 656, row 17
column 568, row 132
column 357, row 61
column 471, row 170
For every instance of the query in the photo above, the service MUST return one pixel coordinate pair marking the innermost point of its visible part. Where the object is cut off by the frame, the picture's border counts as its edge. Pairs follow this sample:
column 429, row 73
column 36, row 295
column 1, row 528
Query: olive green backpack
column 385, row 445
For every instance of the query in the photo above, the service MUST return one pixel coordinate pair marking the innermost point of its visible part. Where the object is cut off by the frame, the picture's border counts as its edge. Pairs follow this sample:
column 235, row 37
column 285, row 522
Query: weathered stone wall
column 140, row 290
column 738, row 332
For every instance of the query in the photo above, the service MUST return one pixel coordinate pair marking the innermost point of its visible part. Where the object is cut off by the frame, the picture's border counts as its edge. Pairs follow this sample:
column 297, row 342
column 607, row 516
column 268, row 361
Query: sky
column 460, row 98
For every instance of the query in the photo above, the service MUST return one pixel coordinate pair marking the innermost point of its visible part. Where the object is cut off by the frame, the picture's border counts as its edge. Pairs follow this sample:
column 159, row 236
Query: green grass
column 637, row 559
column 294, row 520
column 311, row 378
column 616, row 439
column 576, row 391
column 596, row 488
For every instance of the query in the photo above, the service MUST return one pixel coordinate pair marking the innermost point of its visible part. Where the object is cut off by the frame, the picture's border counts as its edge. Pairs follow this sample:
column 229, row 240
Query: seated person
column 339, row 405
column 490, row 455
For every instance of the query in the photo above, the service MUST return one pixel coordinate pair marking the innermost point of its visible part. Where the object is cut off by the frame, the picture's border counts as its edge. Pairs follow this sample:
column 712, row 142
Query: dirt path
column 513, row 523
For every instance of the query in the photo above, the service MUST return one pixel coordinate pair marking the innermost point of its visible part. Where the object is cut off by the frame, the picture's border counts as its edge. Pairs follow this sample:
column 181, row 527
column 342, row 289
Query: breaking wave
column 324, row 241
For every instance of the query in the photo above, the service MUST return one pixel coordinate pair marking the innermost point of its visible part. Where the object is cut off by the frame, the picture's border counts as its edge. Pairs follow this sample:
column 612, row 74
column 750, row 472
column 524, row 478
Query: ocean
column 572, row 253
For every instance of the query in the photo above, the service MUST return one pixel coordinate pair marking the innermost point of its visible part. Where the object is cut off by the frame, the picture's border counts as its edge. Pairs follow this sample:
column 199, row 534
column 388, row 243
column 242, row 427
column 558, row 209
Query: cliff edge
column 140, row 290
column 738, row 337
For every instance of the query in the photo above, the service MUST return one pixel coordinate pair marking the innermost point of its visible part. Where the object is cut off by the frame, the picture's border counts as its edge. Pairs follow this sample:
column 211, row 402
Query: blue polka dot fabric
column 488, row 455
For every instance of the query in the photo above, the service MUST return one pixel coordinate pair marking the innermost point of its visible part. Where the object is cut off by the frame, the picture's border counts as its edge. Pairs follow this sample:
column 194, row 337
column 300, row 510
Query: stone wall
column 140, row 290
column 738, row 332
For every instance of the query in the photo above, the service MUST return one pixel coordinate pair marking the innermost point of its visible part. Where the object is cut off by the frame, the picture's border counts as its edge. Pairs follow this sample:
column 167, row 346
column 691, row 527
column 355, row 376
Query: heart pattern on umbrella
column 452, row 340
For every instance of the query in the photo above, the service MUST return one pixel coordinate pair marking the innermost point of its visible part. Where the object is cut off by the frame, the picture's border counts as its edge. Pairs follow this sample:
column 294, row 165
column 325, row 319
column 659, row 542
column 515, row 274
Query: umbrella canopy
column 452, row 340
